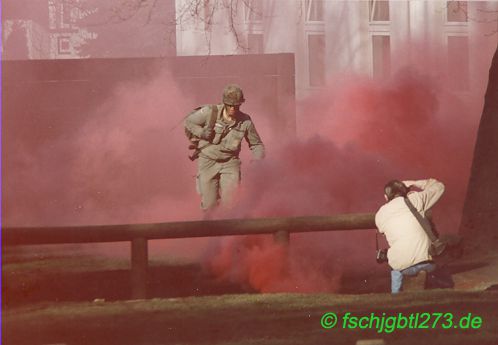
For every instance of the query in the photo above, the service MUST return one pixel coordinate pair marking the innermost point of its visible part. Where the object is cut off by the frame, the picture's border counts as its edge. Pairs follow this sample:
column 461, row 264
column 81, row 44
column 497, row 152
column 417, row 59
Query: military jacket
column 228, row 137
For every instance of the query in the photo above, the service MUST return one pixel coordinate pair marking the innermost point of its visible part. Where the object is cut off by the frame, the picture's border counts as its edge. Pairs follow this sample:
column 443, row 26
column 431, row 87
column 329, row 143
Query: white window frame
column 456, row 29
column 377, row 28
column 312, row 27
column 254, row 27
column 255, row 32
column 379, row 33
column 469, row 77
column 378, row 22
column 60, row 40
column 455, row 24
column 308, row 79
column 307, row 11
column 248, row 10
column 66, row 20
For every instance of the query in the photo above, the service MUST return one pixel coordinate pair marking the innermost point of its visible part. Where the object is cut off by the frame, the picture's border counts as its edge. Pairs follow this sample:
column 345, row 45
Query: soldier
column 218, row 131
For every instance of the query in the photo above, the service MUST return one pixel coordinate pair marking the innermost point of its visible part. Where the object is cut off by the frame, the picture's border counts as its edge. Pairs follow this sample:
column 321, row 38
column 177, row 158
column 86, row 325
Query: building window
column 314, row 10
column 378, row 10
column 63, row 45
column 381, row 51
column 316, row 59
column 456, row 11
column 255, row 43
column 67, row 13
column 458, row 62
column 253, row 10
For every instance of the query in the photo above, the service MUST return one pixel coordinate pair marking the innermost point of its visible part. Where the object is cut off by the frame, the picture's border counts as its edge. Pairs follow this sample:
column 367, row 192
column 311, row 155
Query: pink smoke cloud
column 356, row 136
column 126, row 162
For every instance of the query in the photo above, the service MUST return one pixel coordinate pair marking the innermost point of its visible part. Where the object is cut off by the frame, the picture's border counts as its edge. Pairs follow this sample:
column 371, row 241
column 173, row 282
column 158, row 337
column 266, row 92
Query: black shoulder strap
column 423, row 221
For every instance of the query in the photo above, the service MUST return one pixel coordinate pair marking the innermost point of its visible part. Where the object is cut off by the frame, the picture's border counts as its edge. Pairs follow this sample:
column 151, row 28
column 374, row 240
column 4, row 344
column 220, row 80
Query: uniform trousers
column 217, row 180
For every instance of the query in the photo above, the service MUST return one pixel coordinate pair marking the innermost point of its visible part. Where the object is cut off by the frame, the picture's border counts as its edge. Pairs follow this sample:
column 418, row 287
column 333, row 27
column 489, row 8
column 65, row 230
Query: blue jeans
column 397, row 276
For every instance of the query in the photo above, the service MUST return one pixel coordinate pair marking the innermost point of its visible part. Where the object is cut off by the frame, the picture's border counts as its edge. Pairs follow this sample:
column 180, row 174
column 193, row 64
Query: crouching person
column 408, row 238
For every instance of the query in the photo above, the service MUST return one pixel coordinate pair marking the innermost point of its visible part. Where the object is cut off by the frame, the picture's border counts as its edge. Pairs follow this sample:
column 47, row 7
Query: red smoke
column 356, row 136
column 123, row 162
column 132, row 152
column 126, row 162
column 258, row 263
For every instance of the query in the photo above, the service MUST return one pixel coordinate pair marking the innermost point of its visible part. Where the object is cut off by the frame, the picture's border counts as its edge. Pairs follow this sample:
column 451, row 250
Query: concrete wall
column 57, row 115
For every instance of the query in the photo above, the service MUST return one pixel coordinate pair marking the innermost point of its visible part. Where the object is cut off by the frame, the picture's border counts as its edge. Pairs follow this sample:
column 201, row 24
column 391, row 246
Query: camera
column 381, row 256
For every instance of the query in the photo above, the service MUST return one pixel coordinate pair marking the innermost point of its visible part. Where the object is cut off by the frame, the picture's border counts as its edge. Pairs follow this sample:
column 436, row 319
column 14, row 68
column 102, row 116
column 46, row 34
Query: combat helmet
column 233, row 95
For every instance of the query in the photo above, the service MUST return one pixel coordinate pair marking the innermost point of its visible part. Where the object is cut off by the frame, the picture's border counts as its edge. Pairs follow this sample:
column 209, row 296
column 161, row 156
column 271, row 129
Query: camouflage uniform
column 219, row 164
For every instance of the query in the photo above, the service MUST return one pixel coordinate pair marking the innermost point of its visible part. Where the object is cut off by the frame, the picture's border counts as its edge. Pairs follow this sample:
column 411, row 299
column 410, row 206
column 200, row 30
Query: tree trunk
column 480, row 212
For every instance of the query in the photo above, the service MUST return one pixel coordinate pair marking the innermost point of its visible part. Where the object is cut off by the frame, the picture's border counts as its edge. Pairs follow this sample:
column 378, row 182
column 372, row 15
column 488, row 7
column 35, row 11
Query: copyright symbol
column 329, row 320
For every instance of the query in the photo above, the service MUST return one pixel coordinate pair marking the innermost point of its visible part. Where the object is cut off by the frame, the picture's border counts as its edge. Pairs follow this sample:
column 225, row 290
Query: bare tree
column 189, row 13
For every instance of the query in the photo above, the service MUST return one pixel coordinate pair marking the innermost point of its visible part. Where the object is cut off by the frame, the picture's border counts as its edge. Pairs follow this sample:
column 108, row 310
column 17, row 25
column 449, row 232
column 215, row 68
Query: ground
column 75, row 299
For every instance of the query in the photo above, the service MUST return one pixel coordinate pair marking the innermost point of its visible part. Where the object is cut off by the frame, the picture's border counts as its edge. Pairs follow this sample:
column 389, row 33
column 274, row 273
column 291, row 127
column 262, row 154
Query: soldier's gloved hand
column 207, row 134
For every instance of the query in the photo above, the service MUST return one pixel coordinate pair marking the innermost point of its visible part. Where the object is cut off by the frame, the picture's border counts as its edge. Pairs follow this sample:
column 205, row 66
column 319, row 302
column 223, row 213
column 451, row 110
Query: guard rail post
column 139, row 263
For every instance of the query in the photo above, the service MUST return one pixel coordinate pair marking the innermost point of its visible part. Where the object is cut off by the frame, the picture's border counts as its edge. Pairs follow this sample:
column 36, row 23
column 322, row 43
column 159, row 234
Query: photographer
column 407, row 237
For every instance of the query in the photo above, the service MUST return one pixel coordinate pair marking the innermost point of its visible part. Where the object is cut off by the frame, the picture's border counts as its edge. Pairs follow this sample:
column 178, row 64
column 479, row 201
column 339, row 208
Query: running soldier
column 216, row 133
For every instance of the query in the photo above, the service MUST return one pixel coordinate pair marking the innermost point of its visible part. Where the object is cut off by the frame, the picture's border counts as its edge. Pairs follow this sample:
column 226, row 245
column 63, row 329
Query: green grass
column 245, row 319
column 47, row 300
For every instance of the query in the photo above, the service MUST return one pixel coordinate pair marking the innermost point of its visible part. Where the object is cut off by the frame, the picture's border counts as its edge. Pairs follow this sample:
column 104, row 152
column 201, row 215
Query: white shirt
column 408, row 242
